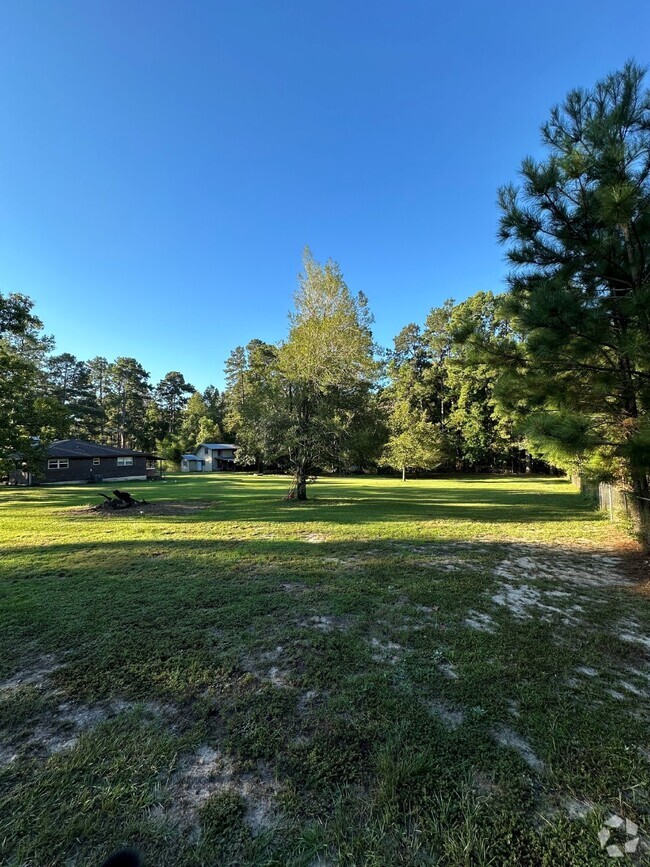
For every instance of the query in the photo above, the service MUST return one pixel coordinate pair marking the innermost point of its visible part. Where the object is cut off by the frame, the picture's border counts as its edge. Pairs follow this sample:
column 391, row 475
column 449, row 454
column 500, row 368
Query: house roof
column 218, row 445
column 191, row 458
column 85, row 449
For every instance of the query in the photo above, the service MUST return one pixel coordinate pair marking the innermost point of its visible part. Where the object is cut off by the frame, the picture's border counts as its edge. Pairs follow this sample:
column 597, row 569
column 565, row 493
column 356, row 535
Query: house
column 212, row 456
column 81, row 461
column 191, row 464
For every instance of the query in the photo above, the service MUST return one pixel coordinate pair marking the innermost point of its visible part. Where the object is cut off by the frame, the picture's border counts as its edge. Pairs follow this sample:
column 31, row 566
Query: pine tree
column 578, row 236
column 172, row 394
column 29, row 417
column 128, row 394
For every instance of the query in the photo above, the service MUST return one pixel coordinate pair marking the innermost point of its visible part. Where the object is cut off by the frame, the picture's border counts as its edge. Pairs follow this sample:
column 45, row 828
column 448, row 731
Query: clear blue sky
column 162, row 164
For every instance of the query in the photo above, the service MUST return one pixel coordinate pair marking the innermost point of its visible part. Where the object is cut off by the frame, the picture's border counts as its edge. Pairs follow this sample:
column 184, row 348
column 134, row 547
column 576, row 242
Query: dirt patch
column 327, row 622
column 294, row 587
column 576, row 809
column 386, row 651
column 587, row 671
column 480, row 621
column 450, row 556
column 210, row 772
column 37, row 674
column 513, row 708
column 506, row 737
column 306, row 700
column 264, row 666
column 448, row 716
column 185, row 507
column 65, row 724
column 411, row 616
column 315, row 538
column 523, row 601
column 630, row 631
column 353, row 561
column 587, row 568
column 448, row 670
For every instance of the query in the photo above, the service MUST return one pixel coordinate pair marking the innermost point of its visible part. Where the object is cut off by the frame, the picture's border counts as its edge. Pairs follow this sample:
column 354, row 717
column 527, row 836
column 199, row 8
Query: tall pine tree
column 578, row 236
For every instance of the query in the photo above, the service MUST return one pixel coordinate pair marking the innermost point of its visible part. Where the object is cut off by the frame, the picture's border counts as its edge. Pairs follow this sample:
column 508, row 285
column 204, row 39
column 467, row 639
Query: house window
column 125, row 462
column 96, row 461
column 58, row 464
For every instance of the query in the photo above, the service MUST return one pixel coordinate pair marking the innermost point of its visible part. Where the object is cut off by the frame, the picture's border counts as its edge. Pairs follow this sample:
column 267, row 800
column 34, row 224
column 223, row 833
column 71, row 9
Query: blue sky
column 163, row 164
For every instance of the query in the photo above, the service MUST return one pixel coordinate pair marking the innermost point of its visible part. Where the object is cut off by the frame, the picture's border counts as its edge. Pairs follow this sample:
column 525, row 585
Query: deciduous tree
column 327, row 361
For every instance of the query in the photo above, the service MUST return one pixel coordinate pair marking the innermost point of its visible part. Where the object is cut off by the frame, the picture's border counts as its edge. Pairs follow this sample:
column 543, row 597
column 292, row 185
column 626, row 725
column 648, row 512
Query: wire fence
column 622, row 506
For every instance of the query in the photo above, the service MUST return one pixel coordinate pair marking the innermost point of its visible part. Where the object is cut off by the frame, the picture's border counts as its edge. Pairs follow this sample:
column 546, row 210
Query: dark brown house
column 81, row 461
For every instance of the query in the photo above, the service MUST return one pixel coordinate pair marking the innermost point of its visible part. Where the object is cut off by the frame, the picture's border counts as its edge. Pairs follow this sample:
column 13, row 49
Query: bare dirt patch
column 506, row 737
column 61, row 727
column 586, row 567
column 264, row 666
column 328, row 622
column 448, row 670
column 576, row 809
column 185, row 507
column 210, row 772
column 294, row 587
column 37, row 674
column 631, row 632
column 386, row 651
column 61, row 724
column 450, row 717
column 522, row 601
column 306, row 700
column 480, row 621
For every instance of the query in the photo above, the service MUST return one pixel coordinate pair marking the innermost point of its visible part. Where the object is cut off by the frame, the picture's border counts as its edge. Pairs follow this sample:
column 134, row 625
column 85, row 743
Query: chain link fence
column 620, row 504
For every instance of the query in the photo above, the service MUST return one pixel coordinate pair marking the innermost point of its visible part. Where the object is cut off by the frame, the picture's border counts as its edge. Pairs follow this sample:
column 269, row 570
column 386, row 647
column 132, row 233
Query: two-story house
column 216, row 456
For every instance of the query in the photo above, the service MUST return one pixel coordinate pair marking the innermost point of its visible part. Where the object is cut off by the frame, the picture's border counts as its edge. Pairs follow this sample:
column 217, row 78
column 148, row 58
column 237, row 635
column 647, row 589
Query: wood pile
column 119, row 500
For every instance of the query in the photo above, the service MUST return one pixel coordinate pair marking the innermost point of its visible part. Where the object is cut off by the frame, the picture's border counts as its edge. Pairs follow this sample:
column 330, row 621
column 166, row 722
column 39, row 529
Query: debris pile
column 119, row 500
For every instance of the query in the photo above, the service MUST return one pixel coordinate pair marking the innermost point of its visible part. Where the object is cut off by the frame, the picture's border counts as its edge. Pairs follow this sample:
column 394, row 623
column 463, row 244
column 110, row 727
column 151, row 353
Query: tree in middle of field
column 414, row 443
column 309, row 403
column 327, row 361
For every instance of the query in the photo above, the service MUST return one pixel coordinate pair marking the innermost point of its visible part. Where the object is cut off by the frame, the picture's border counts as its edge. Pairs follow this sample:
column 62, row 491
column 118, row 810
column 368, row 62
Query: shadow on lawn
column 263, row 560
column 235, row 503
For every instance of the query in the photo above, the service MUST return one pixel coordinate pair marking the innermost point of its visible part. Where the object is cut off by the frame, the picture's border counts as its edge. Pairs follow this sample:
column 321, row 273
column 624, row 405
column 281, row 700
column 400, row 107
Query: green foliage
column 436, row 377
column 256, row 400
column 70, row 384
column 578, row 236
column 28, row 416
column 330, row 343
column 127, row 397
column 327, row 361
column 308, row 403
column 172, row 397
column 414, row 442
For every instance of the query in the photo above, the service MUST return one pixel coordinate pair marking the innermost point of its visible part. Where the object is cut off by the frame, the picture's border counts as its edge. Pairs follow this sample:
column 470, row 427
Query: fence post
column 611, row 504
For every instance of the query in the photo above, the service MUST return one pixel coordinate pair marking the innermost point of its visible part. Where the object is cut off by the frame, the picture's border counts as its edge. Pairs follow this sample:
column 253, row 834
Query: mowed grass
column 450, row 671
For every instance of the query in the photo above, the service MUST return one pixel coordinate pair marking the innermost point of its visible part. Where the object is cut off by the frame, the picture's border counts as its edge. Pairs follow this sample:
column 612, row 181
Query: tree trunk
column 301, row 484
column 403, row 474
column 641, row 490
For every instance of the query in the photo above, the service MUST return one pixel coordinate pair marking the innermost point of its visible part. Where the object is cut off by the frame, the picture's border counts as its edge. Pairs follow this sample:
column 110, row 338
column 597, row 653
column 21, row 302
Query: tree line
column 554, row 369
column 325, row 398
column 46, row 396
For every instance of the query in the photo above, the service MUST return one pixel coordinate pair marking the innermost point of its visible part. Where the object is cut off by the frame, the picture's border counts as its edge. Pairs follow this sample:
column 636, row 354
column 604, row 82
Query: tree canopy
column 577, row 229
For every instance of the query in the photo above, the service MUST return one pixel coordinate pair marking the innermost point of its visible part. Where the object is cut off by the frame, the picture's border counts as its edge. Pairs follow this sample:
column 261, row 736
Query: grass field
column 449, row 672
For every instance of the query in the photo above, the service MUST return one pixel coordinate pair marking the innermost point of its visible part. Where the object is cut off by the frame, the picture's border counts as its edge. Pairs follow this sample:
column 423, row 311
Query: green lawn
column 441, row 672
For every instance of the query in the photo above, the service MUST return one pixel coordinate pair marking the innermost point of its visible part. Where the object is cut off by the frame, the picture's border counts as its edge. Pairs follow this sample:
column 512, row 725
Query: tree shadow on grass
column 239, row 502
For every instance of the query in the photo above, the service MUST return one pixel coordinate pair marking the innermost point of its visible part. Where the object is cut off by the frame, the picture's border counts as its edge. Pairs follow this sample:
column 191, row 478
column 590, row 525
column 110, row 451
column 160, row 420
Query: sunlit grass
column 323, row 649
